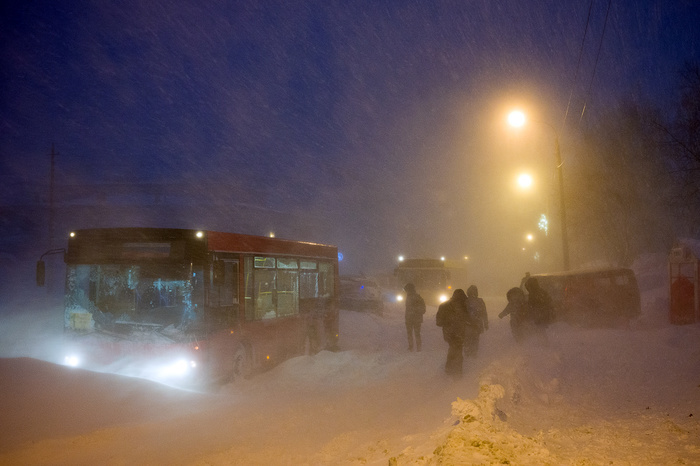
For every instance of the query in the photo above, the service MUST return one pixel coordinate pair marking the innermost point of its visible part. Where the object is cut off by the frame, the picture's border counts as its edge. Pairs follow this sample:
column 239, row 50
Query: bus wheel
column 242, row 365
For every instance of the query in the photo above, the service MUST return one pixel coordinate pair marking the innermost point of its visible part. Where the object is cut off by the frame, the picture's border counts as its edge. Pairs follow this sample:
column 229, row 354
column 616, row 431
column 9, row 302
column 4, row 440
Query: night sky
column 373, row 125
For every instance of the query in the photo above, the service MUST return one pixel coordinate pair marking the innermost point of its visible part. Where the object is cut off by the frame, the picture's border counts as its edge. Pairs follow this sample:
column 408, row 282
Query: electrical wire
column 578, row 65
column 595, row 66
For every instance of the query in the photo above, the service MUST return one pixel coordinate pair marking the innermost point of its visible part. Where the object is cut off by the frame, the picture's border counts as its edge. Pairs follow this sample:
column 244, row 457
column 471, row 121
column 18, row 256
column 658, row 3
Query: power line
column 595, row 66
column 578, row 65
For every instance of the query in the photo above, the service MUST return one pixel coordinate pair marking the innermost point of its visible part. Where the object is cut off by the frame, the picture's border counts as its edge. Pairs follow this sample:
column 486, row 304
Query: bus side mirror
column 40, row 273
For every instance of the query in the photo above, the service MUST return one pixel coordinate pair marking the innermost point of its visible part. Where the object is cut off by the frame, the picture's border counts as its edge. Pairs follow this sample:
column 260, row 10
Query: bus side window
column 219, row 273
column 249, row 284
column 326, row 279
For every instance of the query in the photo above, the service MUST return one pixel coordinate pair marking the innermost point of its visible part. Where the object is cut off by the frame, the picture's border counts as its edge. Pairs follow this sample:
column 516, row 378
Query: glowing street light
column 525, row 181
column 517, row 119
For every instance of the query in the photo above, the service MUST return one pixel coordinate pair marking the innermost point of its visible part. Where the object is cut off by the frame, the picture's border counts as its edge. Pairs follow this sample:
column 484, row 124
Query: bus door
column 222, row 309
column 223, row 291
column 272, row 319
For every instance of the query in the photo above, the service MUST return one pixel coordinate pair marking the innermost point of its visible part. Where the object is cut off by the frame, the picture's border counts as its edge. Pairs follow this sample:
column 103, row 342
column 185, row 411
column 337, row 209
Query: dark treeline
column 634, row 183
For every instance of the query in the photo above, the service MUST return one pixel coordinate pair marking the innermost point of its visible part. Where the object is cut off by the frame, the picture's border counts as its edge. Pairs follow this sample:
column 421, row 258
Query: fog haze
column 375, row 127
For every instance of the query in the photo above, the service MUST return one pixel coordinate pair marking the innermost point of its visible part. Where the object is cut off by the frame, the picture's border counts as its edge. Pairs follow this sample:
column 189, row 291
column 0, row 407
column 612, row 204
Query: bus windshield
column 120, row 296
column 424, row 279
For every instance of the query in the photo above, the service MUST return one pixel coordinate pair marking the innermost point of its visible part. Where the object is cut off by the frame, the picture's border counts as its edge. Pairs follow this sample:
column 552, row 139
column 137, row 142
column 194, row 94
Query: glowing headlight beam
column 72, row 361
column 177, row 369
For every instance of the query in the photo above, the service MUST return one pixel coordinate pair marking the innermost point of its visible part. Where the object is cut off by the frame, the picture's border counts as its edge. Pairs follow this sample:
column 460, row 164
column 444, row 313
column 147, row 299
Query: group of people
column 463, row 318
column 529, row 315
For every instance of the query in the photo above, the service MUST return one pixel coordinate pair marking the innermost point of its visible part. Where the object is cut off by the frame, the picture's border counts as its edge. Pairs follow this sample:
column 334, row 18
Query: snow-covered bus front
column 177, row 303
column 435, row 279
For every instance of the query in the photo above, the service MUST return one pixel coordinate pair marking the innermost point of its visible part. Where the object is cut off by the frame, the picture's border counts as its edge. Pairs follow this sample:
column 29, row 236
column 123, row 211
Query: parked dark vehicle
column 358, row 293
column 593, row 298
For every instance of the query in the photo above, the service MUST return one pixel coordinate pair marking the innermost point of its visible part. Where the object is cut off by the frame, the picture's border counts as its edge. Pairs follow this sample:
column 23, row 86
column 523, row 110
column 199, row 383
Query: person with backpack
column 453, row 316
column 478, row 321
column 415, row 308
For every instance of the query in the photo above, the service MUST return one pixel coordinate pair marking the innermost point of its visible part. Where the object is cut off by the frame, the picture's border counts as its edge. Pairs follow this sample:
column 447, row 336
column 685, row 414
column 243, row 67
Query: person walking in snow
column 415, row 308
column 478, row 322
column 453, row 316
column 523, row 281
column 518, row 311
column 541, row 308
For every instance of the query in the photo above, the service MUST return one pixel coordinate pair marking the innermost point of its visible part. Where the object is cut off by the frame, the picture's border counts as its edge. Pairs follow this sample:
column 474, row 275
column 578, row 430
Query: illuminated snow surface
column 603, row 396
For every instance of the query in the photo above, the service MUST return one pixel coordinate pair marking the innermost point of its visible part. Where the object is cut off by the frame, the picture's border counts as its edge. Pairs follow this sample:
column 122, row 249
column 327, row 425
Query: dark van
column 593, row 298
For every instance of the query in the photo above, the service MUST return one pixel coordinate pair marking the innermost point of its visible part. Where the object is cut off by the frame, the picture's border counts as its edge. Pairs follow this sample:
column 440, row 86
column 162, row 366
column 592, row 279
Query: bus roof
column 215, row 240
column 236, row 242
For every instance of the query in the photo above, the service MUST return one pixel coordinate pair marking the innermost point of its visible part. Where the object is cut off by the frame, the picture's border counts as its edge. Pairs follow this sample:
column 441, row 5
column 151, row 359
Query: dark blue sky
column 373, row 118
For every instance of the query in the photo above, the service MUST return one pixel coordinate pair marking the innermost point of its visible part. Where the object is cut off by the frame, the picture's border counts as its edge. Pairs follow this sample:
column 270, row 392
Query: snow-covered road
column 630, row 396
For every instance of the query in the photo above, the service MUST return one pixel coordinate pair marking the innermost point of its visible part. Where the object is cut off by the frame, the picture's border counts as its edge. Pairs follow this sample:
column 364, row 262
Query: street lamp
column 525, row 181
column 517, row 119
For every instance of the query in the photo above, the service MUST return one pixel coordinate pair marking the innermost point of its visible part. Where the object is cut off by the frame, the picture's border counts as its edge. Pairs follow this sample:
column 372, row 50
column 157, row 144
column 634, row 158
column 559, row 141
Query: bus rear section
column 593, row 298
column 199, row 305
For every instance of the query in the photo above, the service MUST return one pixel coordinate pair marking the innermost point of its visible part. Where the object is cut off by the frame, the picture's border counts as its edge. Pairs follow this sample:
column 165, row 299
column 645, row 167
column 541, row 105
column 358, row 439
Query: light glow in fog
column 179, row 368
column 71, row 360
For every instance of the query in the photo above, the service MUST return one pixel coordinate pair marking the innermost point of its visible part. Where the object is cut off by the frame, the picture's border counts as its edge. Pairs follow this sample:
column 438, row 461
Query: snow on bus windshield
column 129, row 294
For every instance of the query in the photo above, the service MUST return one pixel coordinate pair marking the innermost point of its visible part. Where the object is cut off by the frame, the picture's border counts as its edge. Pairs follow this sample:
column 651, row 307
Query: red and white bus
column 176, row 302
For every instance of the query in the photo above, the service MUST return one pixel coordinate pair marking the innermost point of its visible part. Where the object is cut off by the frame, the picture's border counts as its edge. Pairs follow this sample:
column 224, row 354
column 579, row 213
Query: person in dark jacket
column 540, row 303
column 453, row 316
column 478, row 321
column 518, row 310
column 541, row 308
column 415, row 308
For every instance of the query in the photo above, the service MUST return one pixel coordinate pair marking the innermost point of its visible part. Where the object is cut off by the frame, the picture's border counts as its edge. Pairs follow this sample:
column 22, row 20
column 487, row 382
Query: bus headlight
column 442, row 298
column 178, row 368
column 71, row 360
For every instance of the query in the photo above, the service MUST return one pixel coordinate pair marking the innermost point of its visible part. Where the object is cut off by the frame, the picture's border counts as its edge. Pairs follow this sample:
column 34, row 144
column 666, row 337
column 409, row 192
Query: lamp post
column 517, row 119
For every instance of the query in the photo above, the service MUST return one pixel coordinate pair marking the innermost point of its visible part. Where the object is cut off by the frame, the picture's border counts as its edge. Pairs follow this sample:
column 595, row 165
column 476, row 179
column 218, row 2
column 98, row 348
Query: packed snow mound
column 584, row 398
column 482, row 436
column 482, row 433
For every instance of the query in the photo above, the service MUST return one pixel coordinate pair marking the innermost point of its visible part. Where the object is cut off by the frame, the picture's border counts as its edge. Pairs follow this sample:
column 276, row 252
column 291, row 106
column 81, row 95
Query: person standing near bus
column 453, row 316
column 478, row 322
column 523, row 281
column 415, row 308
column 541, row 308
column 518, row 310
